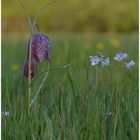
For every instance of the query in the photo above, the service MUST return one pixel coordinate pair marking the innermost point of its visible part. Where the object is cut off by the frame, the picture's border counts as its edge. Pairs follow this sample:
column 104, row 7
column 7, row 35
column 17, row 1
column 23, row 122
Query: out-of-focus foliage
column 73, row 15
column 82, row 102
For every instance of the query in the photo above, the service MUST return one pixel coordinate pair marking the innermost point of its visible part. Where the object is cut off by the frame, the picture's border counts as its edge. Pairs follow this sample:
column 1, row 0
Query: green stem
column 50, row 69
column 40, row 87
column 29, row 78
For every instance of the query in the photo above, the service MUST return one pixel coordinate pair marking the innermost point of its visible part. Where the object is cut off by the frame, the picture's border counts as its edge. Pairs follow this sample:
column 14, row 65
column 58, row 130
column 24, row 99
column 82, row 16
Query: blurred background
column 73, row 16
column 103, row 100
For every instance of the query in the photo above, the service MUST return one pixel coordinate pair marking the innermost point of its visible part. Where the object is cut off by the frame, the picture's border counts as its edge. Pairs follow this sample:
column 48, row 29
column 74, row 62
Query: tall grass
column 80, row 102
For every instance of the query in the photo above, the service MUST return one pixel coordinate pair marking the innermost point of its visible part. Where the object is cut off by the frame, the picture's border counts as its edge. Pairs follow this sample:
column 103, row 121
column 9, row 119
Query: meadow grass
column 80, row 102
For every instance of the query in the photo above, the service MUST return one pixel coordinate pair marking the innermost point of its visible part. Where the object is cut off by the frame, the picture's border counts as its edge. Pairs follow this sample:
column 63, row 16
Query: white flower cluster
column 99, row 58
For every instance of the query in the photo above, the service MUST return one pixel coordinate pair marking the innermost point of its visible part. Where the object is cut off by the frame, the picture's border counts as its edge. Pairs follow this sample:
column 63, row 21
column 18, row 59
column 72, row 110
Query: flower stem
column 50, row 69
column 29, row 75
column 40, row 87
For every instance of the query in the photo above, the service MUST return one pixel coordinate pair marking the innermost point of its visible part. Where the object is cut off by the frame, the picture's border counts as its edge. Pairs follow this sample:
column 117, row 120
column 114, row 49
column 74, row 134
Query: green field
column 75, row 16
column 80, row 102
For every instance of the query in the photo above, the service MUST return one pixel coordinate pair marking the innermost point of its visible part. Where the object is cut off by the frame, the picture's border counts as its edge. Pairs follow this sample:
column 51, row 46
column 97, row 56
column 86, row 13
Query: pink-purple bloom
column 41, row 50
column 130, row 64
column 41, row 47
column 120, row 56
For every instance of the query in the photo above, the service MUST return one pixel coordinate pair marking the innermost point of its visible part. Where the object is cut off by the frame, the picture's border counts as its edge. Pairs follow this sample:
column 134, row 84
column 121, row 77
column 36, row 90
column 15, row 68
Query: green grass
column 80, row 102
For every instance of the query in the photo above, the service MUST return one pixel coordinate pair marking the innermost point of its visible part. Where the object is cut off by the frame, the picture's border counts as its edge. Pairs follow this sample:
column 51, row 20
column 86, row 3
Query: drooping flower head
column 41, row 48
column 130, row 64
column 120, row 56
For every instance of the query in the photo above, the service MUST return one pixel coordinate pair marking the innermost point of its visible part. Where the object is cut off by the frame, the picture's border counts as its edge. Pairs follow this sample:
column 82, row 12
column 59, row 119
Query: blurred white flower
column 99, row 58
column 109, row 113
column 130, row 64
column 105, row 62
column 94, row 60
column 7, row 113
column 120, row 56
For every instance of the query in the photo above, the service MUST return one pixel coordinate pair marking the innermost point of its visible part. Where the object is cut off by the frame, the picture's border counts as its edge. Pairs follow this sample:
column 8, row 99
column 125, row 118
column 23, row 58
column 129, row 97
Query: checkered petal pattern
column 33, row 68
column 41, row 50
column 40, row 47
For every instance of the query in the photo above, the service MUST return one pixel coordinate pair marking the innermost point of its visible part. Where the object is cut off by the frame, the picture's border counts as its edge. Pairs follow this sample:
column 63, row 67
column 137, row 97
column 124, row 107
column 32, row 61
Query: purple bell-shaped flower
column 41, row 49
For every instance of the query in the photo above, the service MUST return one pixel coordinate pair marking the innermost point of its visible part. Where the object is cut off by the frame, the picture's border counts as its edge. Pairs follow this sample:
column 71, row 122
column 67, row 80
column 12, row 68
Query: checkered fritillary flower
column 40, row 47
column 40, row 50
